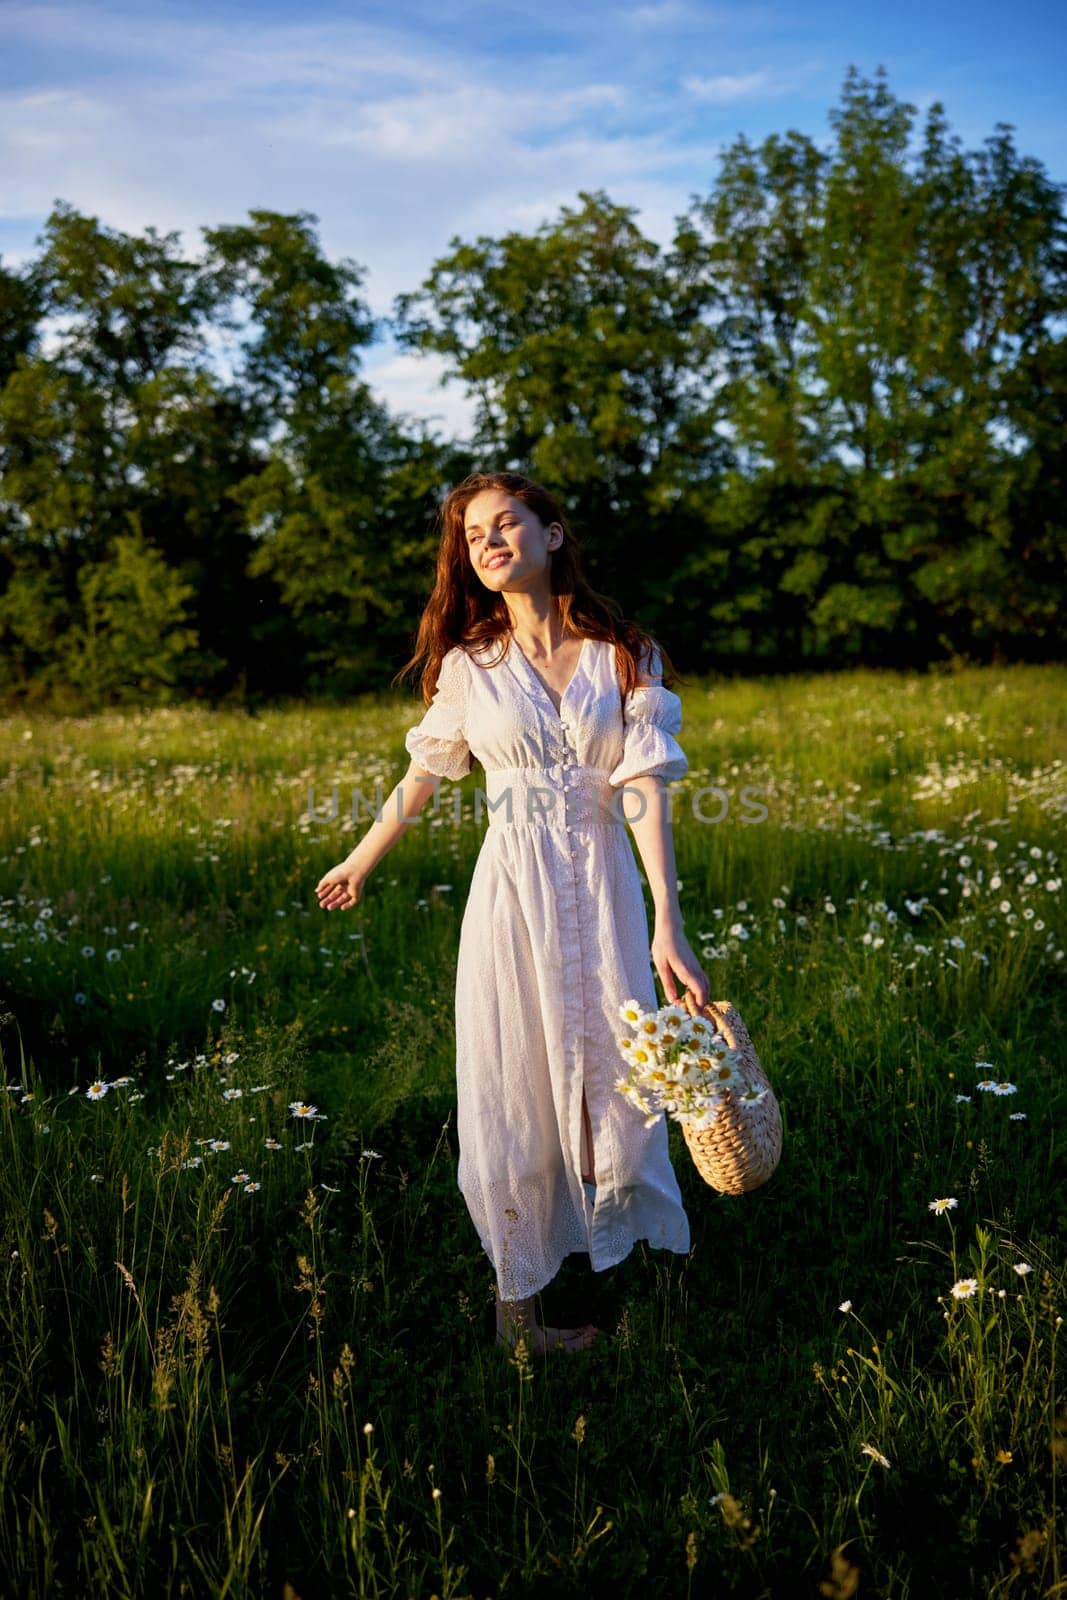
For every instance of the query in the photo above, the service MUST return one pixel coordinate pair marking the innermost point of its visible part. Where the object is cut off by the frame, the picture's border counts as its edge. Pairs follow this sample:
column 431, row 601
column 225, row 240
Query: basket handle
column 715, row 1011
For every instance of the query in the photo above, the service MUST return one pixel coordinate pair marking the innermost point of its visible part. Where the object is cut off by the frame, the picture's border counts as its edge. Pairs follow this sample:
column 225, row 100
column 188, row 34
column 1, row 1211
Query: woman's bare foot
column 515, row 1320
column 539, row 1340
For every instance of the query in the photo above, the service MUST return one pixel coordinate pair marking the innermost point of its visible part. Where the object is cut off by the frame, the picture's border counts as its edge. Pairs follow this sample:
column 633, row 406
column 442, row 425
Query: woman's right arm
column 342, row 886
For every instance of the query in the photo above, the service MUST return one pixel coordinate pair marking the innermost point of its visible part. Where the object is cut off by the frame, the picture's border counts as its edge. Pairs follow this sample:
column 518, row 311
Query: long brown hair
column 462, row 611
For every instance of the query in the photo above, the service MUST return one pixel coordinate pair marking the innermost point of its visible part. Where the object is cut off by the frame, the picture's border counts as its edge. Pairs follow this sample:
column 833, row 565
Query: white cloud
column 727, row 90
column 408, row 383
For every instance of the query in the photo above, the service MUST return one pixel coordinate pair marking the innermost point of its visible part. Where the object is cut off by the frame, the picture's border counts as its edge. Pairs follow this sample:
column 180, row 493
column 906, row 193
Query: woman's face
column 507, row 542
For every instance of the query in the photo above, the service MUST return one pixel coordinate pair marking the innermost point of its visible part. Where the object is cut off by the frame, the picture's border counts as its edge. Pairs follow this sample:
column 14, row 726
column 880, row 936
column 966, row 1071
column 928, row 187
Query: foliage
column 825, row 425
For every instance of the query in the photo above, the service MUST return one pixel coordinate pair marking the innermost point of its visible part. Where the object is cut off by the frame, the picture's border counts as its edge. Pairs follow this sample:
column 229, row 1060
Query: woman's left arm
column 652, row 831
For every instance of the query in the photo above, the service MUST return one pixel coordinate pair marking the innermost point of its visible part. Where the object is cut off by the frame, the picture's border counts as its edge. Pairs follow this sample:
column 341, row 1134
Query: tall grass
column 226, row 1387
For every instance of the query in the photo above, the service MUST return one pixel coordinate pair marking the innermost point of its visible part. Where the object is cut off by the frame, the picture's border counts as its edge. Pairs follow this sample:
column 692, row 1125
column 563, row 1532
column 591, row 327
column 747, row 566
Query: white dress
column 554, row 938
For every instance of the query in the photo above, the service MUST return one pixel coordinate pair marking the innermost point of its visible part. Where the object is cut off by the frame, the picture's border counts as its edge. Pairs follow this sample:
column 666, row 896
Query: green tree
column 133, row 641
column 344, row 489
column 583, row 349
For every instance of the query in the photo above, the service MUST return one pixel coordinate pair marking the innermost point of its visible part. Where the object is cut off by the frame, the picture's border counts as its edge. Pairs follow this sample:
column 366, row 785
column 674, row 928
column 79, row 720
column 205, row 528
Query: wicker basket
column 740, row 1148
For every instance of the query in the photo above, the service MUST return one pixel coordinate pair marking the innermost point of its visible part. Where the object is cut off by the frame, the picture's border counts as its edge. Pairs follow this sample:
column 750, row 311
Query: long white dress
column 554, row 938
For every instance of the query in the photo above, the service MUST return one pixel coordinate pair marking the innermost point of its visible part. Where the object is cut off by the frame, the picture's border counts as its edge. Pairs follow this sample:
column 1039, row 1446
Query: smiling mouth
column 496, row 561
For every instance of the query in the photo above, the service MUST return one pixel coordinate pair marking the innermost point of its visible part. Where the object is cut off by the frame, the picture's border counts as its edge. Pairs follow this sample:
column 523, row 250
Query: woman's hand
column 673, row 957
column 340, row 888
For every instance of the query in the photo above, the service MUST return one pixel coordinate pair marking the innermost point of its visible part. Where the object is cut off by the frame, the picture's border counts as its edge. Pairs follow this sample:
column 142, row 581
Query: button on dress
column 554, row 938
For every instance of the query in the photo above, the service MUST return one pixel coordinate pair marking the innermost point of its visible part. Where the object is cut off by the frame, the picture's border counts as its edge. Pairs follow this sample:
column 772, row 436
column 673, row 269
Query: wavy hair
column 462, row 611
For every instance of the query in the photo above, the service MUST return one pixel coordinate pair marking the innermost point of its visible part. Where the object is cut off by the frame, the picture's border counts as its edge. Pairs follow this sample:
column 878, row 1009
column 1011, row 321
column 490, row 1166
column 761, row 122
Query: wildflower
column 941, row 1206
column 329, row 1188
column 97, row 1091
column 987, row 1084
column 121, row 1083
column 1004, row 1457
column 271, row 1144
column 218, row 1005
column 869, row 1450
column 631, row 1012
column 80, row 999
column 846, row 1305
column 309, row 1144
column 218, row 1144
column 963, row 1099
column 1005, row 1088
column 253, row 1188
column 300, row 1108
column 88, row 950
column 1017, row 1116
column 370, row 1155
column 965, row 1288
column 114, row 955
column 1022, row 1268
column 232, row 1094
column 241, row 1177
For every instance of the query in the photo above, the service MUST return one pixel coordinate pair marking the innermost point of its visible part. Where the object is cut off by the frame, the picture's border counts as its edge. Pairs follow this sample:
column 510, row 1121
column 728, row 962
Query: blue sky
column 402, row 124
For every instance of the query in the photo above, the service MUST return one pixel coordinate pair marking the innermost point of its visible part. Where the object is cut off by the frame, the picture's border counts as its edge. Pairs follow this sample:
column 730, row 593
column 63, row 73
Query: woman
column 561, row 700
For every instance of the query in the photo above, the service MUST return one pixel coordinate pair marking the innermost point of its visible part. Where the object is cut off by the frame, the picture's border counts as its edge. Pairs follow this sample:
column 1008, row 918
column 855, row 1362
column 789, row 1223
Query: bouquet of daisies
column 680, row 1064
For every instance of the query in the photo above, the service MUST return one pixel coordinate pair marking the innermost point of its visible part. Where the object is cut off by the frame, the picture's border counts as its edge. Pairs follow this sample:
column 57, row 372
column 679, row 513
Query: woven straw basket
column 740, row 1148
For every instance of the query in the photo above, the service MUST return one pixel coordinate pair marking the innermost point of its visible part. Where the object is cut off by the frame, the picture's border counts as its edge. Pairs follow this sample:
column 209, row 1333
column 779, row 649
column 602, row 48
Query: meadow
column 246, row 1321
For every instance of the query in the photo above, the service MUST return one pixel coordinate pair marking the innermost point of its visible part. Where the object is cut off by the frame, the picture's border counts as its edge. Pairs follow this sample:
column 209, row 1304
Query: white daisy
column 649, row 1028
column 965, row 1288
column 97, row 1091
column 941, row 1206
column 1022, row 1268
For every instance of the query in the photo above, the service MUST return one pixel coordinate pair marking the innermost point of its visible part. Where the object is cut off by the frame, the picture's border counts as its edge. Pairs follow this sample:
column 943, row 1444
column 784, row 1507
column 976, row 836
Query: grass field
column 245, row 1349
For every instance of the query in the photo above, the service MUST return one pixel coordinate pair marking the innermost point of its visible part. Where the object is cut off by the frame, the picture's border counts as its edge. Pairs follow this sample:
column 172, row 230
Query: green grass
column 192, row 1366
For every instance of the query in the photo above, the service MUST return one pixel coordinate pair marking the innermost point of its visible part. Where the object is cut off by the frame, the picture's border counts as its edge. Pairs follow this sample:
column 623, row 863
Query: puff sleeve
column 651, row 717
column 439, row 743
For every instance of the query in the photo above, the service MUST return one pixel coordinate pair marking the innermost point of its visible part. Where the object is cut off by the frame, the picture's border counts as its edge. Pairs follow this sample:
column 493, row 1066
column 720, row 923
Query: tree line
column 825, row 425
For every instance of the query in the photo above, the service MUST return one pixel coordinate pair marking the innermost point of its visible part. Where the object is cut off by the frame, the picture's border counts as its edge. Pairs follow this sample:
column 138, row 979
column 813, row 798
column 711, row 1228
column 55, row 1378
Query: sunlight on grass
column 248, row 1324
